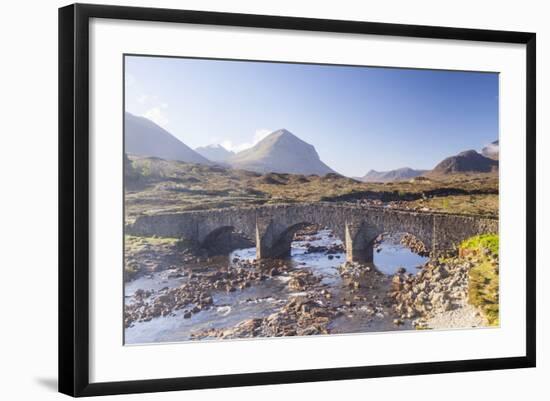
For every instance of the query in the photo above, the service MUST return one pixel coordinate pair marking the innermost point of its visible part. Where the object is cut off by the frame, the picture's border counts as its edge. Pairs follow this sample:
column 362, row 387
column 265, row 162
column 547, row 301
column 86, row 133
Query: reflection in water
column 266, row 297
column 390, row 256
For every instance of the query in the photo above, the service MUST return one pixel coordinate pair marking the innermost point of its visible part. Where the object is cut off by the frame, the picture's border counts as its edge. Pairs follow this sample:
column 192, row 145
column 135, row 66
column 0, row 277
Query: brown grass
column 156, row 185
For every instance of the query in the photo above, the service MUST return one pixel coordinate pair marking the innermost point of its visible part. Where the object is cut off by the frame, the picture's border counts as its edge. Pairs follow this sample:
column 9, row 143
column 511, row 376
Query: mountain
column 491, row 150
column 469, row 161
column 281, row 152
column 144, row 137
column 215, row 153
column 400, row 174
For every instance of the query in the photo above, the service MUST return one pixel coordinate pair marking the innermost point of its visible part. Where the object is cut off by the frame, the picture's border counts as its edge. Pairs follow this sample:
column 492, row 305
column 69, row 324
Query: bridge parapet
column 273, row 226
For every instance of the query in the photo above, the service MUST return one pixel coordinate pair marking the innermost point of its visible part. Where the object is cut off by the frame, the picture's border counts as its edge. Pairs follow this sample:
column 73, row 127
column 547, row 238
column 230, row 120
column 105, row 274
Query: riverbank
column 146, row 255
column 454, row 292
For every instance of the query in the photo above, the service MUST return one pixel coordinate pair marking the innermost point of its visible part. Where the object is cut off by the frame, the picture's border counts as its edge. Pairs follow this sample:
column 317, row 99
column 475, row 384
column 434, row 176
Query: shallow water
column 392, row 256
column 266, row 297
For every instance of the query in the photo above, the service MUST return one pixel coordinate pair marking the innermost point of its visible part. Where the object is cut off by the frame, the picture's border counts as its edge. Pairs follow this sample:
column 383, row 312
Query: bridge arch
column 278, row 243
column 224, row 239
column 411, row 241
column 270, row 226
column 281, row 246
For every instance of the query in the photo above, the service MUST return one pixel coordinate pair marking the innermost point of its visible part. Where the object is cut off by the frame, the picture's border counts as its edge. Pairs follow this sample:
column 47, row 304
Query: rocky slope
column 143, row 137
column 469, row 161
column 455, row 292
column 281, row 152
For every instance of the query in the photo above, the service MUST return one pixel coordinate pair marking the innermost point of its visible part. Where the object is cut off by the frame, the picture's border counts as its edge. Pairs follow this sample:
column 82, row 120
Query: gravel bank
column 465, row 316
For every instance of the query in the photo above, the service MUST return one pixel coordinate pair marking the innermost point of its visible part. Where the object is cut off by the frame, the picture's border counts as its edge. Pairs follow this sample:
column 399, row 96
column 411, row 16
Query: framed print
column 250, row 199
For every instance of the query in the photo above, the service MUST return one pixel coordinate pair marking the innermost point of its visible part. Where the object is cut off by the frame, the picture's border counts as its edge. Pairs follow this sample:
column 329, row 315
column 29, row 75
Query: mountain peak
column 215, row 152
column 281, row 152
column 214, row 146
column 281, row 135
column 146, row 138
column 469, row 153
column 468, row 161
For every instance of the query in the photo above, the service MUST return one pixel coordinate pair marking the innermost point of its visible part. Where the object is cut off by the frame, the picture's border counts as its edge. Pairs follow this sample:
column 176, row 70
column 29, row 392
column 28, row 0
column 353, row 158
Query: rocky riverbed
column 313, row 292
column 436, row 297
column 194, row 293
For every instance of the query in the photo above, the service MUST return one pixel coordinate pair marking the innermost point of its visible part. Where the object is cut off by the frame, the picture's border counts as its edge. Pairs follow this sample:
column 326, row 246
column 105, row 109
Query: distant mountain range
column 281, row 152
column 491, row 150
column 400, row 174
column 144, row 137
column 467, row 162
column 215, row 153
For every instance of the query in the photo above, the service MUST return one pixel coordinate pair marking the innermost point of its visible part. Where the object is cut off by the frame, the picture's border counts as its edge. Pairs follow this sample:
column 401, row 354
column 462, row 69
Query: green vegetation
column 155, row 185
column 481, row 243
column 136, row 243
column 483, row 290
column 148, row 253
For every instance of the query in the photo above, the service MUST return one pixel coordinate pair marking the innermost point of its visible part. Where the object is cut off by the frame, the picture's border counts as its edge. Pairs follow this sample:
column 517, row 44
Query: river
column 266, row 297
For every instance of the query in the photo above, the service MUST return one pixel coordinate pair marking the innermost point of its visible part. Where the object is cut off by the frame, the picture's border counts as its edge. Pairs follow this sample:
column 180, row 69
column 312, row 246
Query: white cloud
column 237, row 147
column 229, row 145
column 158, row 115
column 492, row 147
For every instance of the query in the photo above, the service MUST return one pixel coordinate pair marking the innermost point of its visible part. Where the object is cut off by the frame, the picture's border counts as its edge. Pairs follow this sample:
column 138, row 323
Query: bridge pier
column 365, row 255
column 266, row 249
column 272, row 240
column 359, row 247
column 264, row 239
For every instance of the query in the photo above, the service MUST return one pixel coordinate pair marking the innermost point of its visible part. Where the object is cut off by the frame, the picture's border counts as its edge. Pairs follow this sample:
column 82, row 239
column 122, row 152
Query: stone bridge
column 272, row 227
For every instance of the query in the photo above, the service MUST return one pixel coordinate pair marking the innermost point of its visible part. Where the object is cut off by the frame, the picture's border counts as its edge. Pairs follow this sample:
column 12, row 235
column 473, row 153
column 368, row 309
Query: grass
column 479, row 243
column 486, row 204
column 483, row 291
column 153, row 185
column 139, row 249
column 136, row 243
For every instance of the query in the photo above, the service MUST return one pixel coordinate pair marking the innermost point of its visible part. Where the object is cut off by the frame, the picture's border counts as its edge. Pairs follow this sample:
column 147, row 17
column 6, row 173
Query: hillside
column 466, row 162
column 154, row 185
column 281, row 152
column 143, row 137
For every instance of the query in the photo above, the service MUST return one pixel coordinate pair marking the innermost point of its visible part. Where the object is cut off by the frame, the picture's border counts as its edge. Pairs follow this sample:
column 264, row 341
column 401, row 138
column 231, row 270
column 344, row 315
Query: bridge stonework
column 272, row 227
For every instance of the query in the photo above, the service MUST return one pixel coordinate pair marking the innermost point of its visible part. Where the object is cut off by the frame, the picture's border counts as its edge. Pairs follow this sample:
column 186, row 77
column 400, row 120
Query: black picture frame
column 74, row 198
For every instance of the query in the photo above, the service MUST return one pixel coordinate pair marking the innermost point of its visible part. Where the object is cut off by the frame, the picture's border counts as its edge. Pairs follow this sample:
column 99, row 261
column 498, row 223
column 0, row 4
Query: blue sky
column 358, row 118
